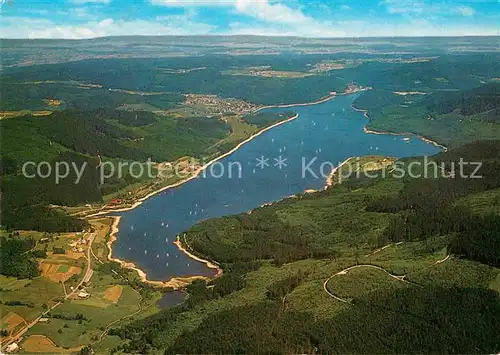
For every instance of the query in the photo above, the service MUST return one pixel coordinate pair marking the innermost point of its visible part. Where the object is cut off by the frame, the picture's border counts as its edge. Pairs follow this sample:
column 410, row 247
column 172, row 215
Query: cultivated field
column 58, row 272
column 12, row 323
column 42, row 344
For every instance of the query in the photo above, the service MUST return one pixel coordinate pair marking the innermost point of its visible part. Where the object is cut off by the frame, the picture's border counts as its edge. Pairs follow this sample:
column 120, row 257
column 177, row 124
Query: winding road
column 345, row 271
column 400, row 278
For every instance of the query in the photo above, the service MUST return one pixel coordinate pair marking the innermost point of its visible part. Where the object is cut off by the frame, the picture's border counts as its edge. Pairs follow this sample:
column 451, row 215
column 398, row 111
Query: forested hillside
column 451, row 117
column 424, row 268
column 484, row 99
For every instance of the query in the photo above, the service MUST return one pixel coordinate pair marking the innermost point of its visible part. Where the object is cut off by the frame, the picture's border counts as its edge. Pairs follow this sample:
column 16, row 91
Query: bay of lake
column 328, row 132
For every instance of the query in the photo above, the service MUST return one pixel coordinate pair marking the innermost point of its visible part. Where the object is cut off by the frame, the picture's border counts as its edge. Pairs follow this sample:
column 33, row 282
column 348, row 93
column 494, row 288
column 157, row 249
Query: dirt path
column 383, row 248
column 108, row 327
column 396, row 277
column 346, row 270
column 29, row 251
column 442, row 260
column 88, row 270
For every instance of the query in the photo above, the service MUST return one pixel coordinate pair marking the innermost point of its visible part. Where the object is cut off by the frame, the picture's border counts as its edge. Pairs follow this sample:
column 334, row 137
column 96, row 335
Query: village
column 214, row 105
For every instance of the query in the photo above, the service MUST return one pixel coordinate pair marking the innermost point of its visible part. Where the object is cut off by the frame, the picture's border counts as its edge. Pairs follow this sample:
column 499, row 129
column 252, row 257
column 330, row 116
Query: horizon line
column 247, row 35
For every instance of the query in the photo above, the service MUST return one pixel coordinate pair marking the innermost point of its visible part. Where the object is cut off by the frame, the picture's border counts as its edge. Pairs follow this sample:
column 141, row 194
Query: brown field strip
column 42, row 344
column 113, row 293
column 12, row 322
column 50, row 271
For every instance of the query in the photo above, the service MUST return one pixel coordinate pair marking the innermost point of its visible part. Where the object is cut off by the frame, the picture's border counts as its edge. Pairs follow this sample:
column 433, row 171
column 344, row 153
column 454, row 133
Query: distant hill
column 485, row 99
column 450, row 117
column 24, row 52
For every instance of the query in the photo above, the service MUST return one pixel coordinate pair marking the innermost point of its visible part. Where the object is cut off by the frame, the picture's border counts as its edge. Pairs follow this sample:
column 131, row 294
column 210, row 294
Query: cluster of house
column 352, row 87
column 83, row 294
column 79, row 246
column 221, row 106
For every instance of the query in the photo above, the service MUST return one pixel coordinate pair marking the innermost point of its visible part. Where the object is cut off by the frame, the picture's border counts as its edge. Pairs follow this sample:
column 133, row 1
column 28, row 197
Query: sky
column 77, row 19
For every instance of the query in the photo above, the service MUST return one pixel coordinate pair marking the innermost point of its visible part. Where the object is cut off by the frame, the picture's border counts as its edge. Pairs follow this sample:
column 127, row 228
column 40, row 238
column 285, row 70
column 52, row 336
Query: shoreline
column 239, row 145
column 419, row 136
column 175, row 283
column 180, row 282
column 210, row 264
column 197, row 171
column 320, row 101
column 329, row 179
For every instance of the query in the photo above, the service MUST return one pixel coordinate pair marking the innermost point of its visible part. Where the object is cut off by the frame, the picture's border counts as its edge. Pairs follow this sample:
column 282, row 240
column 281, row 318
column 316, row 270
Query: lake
column 171, row 299
column 290, row 155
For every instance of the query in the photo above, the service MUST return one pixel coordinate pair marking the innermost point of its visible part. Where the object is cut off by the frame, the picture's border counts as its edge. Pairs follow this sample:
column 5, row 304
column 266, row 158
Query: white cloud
column 193, row 3
column 269, row 18
column 278, row 18
column 80, row 2
column 275, row 13
column 20, row 27
column 424, row 8
column 408, row 7
column 417, row 28
column 345, row 7
column 465, row 10
column 237, row 28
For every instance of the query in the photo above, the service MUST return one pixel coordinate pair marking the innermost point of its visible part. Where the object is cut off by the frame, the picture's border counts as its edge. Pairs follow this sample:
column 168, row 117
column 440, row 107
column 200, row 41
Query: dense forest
column 411, row 320
column 262, row 119
column 452, row 117
column 425, row 207
column 27, row 95
column 81, row 139
column 482, row 99
column 160, row 75
column 16, row 258
column 25, row 201
column 422, row 208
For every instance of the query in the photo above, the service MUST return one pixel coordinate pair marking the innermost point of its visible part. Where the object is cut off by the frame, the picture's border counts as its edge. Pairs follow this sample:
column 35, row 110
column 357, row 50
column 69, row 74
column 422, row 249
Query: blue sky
column 308, row 18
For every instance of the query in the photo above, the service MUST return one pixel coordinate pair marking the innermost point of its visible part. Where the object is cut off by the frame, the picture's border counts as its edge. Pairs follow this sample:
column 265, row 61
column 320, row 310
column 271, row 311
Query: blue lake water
column 328, row 132
column 171, row 299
